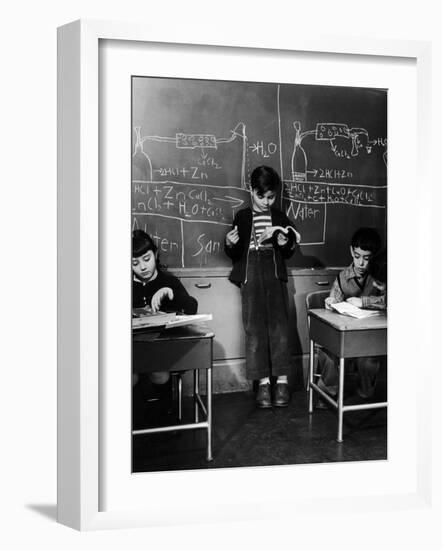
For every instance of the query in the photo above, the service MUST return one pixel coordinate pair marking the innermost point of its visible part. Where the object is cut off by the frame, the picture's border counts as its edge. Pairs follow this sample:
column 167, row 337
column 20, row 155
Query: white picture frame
column 80, row 257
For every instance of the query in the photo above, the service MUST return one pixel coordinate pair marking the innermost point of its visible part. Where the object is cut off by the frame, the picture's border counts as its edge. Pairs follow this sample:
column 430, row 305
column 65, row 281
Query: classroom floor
column 246, row 436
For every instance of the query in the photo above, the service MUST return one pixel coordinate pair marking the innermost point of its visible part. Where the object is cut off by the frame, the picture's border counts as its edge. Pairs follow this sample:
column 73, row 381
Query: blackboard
column 196, row 142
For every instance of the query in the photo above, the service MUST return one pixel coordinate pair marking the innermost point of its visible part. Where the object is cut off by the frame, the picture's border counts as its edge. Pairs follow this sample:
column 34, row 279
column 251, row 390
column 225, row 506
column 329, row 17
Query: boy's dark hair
column 366, row 238
column 264, row 178
column 141, row 243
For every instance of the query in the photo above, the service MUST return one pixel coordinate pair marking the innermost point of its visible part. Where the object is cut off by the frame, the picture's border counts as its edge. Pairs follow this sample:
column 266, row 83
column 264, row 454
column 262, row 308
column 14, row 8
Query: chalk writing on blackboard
column 338, row 136
column 196, row 141
column 187, row 185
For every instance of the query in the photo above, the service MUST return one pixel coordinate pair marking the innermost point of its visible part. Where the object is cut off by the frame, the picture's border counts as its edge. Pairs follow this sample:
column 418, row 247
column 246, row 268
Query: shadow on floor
column 46, row 510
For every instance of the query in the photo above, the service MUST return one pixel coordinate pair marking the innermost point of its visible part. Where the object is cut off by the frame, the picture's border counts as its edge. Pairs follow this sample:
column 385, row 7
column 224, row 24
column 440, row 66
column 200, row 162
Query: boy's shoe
column 263, row 397
column 281, row 395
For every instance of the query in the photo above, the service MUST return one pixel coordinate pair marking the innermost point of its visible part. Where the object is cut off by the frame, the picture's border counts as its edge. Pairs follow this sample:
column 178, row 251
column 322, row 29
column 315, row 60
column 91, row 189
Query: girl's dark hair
column 141, row 243
column 366, row 238
column 264, row 178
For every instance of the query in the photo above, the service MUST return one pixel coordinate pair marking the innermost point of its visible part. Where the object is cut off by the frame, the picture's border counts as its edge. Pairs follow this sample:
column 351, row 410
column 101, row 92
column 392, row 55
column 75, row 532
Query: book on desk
column 345, row 308
column 145, row 318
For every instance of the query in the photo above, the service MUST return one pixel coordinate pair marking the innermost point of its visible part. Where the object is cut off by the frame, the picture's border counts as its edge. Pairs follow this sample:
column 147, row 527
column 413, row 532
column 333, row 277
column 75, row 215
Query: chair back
column 316, row 299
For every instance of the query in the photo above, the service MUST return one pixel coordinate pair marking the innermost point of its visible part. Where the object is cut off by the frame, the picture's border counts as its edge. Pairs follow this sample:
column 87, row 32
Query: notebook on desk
column 345, row 308
column 181, row 320
column 145, row 318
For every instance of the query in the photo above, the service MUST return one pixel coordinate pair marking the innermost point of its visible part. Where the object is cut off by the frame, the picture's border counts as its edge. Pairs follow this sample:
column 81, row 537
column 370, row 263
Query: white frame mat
column 80, row 475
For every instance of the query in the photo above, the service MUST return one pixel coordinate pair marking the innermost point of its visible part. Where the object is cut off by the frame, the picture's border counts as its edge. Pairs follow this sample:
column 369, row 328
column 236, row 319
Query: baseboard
column 229, row 375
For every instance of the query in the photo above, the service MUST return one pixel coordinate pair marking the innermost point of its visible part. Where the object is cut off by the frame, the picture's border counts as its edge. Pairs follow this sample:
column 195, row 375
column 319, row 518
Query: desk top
column 344, row 322
column 185, row 332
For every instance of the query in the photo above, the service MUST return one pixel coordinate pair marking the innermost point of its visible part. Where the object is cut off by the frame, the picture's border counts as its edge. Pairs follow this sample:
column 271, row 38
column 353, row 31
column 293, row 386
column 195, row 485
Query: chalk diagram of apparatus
column 184, row 191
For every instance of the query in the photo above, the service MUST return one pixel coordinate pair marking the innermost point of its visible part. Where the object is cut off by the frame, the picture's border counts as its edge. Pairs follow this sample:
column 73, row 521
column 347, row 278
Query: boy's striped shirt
column 260, row 222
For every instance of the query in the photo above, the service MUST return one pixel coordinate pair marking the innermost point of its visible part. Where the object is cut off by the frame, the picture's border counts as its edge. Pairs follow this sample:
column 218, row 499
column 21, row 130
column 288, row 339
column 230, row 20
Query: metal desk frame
column 346, row 338
column 190, row 342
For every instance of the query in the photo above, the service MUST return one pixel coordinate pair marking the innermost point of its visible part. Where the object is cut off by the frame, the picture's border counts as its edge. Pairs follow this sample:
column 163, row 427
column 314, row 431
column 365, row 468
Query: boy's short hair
column 141, row 243
column 366, row 238
column 264, row 178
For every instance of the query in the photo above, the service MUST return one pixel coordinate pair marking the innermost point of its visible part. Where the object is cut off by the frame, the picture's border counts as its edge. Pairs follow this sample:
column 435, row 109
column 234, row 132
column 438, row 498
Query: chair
column 315, row 300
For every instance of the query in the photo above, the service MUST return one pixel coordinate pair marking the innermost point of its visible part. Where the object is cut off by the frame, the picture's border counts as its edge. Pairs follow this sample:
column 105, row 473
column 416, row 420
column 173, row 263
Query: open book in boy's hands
column 345, row 308
column 269, row 231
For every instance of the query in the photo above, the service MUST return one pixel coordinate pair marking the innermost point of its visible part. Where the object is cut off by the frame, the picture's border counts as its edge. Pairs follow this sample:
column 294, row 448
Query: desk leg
column 310, row 376
column 180, row 397
column 196, row 383
column 209, row 412
column 340, row 399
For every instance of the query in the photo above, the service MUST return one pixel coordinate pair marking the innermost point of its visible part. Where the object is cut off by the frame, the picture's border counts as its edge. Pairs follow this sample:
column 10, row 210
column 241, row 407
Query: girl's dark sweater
column 182, row 302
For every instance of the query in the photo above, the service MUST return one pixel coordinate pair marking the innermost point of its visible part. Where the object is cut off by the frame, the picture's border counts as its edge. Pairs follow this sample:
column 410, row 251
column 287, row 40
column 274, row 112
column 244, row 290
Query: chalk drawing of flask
column 141, row 165
column 299, row 158
column 240, row 131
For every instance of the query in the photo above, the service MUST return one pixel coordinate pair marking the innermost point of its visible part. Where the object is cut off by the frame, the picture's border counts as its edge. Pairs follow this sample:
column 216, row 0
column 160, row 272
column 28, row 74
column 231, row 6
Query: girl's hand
column 282, row 239
column 159, row 296
column 355, row 301
column 232, row 237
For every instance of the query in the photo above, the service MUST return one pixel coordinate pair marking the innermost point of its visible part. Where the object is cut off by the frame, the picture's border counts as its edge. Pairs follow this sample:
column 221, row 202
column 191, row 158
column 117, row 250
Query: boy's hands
column 159, row 296
column 232, row 237
column 327, row 303
column 266, row 234
column 282, row 236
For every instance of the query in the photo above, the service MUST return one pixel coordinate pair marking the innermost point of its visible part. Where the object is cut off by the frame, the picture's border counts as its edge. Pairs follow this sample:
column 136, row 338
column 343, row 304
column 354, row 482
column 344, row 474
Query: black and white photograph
column 225, row 220
column 258, row 275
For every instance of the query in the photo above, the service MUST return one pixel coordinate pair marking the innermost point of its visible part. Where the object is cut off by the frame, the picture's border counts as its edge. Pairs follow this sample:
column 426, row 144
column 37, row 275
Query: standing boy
column 356, row 285
column 261, row 240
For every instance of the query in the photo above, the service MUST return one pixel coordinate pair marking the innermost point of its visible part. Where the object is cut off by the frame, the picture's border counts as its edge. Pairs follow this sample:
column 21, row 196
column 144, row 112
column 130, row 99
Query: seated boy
column 356, row 285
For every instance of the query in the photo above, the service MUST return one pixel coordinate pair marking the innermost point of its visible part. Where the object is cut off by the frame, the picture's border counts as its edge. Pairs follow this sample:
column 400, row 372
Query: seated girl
column 155, row 288
column 151, row 285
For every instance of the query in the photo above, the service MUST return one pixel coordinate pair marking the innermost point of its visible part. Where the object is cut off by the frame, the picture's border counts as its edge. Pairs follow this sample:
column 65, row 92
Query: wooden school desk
column 177, row 349
column 345, row 337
